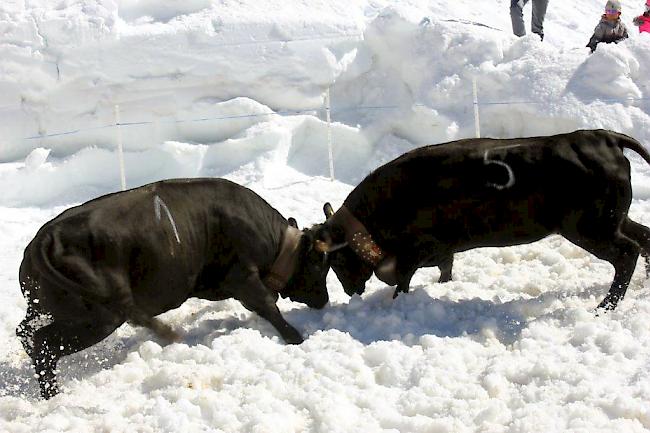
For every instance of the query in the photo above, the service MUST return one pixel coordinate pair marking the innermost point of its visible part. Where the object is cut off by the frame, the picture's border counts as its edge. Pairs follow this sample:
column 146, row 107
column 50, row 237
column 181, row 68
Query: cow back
column 489, row 192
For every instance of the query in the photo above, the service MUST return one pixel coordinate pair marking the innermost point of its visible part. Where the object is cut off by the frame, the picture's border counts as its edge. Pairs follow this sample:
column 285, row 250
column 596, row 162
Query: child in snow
column 610, row 28
column 643, row 21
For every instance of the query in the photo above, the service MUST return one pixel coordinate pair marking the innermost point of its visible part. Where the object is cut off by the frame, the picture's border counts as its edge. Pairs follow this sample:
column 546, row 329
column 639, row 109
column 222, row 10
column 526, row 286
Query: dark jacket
column 607, row 31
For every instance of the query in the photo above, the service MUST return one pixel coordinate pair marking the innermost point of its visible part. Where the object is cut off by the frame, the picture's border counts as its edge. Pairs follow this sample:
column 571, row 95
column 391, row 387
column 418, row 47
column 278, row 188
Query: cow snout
column 354, row 290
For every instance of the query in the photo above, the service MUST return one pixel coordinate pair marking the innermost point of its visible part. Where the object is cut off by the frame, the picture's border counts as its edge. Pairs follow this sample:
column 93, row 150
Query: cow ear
column 327, row 247
column 293, row 223
column 328, row 210
column 321, row 246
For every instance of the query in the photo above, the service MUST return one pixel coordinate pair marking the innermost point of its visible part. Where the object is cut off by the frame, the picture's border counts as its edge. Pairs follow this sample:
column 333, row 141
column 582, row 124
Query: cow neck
column 357, row 237
column 285, row 263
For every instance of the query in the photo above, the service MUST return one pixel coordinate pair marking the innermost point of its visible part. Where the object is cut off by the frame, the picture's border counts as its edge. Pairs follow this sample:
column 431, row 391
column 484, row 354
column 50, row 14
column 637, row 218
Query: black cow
column 132, row 255
column 421, row 208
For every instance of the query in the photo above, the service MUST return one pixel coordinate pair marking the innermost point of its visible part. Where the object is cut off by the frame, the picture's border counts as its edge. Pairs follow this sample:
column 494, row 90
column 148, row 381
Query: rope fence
column 333, row 112
column 201, row 119
column 326, row 108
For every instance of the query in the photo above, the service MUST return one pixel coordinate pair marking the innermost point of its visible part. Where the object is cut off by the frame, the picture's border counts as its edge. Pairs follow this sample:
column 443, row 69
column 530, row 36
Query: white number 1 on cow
column 157, row 204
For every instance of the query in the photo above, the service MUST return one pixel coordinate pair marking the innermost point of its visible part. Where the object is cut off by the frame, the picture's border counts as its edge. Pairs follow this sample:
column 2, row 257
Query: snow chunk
column 145, row 10
column 36, row 158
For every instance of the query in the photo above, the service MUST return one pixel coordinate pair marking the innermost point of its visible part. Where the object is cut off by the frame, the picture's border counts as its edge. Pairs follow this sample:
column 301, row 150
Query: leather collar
column 362, row 243
column 285, row 263
column 357, row 236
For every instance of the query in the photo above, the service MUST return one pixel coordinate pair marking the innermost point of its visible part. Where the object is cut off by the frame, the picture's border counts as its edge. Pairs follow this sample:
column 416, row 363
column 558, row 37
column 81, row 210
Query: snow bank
column 399, row 74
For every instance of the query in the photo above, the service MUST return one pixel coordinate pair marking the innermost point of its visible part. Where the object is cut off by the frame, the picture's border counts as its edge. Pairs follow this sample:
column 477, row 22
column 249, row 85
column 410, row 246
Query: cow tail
column 626, row 142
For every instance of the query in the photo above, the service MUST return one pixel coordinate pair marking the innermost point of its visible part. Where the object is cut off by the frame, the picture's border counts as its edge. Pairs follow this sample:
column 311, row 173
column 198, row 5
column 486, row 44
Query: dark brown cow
column 421, row 208
column 136, row 254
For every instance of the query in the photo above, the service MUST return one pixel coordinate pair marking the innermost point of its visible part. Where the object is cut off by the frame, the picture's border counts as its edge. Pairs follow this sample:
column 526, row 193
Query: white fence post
column 477, row 122
column 120, row 150
column 329, row 133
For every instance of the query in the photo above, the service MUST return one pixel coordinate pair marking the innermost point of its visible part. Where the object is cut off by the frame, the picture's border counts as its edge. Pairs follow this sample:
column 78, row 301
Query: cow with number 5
column 423, row 207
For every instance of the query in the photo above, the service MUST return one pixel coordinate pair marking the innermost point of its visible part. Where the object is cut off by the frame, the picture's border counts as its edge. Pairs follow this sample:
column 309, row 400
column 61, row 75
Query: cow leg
column 25, row 331
column 256, row 297
column 161, row 329
column 405, row 269
column 32, row 324
column 444, row 264
column 60, row 338
column 134, row 314
column 404, row 276
column 641, row 234
column 407, row 265
column 622, row 252
column 624, row 257
column 264, row 305
column 445, row 268
column 267, row 309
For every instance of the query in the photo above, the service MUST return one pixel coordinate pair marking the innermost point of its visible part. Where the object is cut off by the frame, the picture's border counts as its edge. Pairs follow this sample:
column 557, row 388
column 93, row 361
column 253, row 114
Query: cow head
column 307, row 284
column 350, row 269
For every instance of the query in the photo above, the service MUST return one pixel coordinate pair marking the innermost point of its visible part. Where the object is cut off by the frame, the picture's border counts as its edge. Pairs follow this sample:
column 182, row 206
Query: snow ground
column 235, row 88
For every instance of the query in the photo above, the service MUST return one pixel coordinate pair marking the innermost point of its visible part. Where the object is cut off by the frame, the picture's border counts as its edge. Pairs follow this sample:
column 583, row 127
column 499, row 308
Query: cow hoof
column 292, row 336
column 49, row 390
column 603, row 309
column 608, row 304
column 165, row 332
column 294, row 340
column 400, row 289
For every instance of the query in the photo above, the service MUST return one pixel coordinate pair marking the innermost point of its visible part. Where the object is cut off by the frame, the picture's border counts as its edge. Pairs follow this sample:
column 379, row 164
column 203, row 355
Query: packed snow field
column 236, row 89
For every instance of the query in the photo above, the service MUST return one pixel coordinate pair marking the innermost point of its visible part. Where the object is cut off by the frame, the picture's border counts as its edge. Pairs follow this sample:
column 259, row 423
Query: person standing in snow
column 643, row 21
column 517, row 17
column 610, row 28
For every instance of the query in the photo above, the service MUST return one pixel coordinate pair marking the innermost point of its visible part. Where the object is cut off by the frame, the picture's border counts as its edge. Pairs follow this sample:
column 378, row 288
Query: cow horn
column 328, row 210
